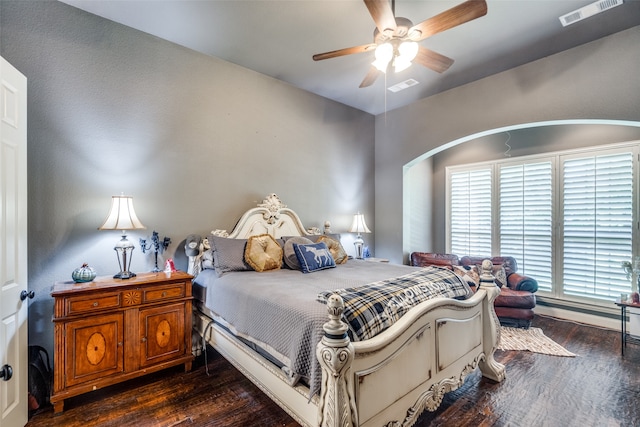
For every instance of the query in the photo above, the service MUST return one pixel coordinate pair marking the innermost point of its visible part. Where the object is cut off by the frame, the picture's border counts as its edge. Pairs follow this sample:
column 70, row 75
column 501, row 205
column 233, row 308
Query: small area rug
column 532, row 339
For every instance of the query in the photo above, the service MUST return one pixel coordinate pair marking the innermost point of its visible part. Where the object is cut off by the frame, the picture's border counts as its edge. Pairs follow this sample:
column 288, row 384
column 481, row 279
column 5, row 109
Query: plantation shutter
column 470, row 212
column 597, row 223
column 526, row 213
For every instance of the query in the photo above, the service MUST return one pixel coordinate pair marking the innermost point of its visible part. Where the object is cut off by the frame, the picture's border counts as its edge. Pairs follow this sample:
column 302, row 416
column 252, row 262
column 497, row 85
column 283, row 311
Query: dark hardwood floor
column 597, row 388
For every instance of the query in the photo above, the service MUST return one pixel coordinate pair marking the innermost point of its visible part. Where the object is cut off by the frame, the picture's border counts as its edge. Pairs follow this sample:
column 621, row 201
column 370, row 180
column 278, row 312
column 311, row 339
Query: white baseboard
column 575, row 316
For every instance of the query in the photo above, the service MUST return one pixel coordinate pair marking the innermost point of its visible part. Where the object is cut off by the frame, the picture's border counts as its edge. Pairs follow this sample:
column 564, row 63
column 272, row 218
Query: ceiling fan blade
column 464, row 12
column 433, row 60
column 343, row 52
column 382, row 14
column 371, row 77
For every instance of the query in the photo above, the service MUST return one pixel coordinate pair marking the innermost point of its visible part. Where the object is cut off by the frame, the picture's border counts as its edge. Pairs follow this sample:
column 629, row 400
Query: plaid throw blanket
column 372, row 308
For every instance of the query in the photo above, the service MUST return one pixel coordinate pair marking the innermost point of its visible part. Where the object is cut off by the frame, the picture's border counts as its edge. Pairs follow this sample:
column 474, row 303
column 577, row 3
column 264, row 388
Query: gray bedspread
column 278, row 310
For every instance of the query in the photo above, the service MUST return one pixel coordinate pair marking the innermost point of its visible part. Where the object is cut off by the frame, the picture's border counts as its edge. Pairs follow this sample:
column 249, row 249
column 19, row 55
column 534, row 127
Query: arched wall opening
column 424, row 198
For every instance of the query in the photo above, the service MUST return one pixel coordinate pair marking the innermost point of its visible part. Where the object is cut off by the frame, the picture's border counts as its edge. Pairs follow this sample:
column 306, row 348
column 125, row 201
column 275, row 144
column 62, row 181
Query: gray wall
column 195, row 140
column 593, row 81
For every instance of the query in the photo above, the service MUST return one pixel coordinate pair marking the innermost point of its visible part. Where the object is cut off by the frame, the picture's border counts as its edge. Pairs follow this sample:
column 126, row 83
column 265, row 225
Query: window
column 567, row 218
column 525, row 221
column 597, row 223
column 470, row 212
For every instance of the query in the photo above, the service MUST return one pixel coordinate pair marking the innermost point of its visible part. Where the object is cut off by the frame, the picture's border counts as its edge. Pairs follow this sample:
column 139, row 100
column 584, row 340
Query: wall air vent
column 588, row 10
column 403, row 85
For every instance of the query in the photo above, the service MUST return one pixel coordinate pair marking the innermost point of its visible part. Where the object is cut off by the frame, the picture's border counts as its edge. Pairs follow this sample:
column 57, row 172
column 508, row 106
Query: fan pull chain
column 506, row 153
column 385, row 98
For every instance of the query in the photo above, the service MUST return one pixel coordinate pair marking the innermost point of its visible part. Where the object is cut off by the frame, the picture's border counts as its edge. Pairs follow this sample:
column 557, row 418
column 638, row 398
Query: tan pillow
column 263, row 253
column 335, row 248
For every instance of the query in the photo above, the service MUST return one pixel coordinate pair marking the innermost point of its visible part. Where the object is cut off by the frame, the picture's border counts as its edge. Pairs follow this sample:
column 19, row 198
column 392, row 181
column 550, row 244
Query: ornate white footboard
column 391, row 379
column 388, row 380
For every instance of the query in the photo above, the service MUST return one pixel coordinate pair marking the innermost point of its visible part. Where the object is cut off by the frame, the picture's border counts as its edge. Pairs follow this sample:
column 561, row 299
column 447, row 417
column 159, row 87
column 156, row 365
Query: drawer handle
column 144, row 339
column 164, row 294
column 95, row 304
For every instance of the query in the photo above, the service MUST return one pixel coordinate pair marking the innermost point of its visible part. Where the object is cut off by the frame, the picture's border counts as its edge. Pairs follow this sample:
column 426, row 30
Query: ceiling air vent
column 588, row 10
column 403, row 85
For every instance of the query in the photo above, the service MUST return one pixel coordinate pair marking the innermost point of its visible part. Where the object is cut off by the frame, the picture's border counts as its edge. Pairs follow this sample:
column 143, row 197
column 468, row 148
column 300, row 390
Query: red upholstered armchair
column 514, row 306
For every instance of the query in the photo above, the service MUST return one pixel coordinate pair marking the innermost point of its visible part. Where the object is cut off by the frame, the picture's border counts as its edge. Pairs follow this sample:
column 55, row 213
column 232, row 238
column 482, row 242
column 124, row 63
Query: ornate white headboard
column 271, row 216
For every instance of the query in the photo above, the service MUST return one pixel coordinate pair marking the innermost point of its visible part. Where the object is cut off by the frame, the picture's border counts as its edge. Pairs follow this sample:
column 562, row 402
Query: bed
column 296, row 336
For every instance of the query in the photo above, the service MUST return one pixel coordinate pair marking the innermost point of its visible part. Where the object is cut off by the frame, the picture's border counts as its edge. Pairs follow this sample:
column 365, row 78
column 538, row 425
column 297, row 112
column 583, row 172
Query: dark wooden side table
column 111, row 330
column 623, row 315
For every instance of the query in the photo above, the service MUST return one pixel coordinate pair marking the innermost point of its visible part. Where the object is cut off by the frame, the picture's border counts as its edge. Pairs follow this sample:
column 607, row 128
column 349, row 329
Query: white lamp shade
column 400, row 64
column 408, row 50
column 384, row 54
column 359, row 225
column 407, row 53
column 122, row 216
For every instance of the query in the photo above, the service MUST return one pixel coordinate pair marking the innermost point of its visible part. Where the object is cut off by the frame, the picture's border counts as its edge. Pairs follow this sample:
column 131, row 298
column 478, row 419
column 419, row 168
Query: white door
column 13, row 247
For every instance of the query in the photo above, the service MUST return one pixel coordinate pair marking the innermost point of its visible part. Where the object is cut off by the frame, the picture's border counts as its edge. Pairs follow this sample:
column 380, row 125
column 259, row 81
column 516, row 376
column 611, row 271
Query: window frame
column 529, row 160
column 560, row 246
column 557, row 247
column 475, row 168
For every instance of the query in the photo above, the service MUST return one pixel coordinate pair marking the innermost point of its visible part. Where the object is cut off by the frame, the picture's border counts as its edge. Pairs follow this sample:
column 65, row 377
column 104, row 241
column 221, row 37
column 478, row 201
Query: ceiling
column 278, row 38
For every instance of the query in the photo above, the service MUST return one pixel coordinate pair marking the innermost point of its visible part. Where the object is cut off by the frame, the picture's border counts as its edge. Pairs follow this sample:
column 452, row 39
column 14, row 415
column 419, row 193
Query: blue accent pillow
column 313, row 256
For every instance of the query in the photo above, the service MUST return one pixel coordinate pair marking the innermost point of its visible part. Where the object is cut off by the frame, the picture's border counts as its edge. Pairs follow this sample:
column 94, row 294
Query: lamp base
column 124, row 249
column 124, row 275
column 359, row 244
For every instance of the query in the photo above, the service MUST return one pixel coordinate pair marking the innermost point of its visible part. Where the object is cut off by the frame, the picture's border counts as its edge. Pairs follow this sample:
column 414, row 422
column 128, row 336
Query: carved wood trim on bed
column 436, row 345
column 271, row 216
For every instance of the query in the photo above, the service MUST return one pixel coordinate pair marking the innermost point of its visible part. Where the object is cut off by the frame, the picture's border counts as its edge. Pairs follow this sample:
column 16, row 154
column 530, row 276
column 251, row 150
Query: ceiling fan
column 395, row 38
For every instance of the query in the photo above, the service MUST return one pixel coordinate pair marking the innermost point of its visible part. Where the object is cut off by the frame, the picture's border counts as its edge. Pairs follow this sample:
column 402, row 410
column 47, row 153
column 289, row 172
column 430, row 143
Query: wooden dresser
column 111, row 330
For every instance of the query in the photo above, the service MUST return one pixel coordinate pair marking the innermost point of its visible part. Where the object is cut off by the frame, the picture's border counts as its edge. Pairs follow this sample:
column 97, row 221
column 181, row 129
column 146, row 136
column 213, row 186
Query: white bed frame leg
column 336, row 406
column 489, row 367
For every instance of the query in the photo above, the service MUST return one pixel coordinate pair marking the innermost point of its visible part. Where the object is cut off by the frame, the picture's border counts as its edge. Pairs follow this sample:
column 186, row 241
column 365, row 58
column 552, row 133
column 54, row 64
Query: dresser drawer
column 81, row 305
column 163, row 293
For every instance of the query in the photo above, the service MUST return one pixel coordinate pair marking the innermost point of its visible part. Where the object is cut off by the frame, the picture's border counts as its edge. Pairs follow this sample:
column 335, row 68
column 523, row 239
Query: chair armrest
column 425, row 259
column 519, row 282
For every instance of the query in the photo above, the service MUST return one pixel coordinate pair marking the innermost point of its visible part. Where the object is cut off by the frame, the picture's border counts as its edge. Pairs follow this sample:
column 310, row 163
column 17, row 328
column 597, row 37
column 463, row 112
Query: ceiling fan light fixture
column 384, row 54
column 380, row 65
column 400, row 64
column 408, row 50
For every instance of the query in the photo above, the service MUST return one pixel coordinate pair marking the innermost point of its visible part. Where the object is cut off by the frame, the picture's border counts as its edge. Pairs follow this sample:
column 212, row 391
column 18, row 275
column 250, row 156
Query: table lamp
column 359, row 226
column 123, row 217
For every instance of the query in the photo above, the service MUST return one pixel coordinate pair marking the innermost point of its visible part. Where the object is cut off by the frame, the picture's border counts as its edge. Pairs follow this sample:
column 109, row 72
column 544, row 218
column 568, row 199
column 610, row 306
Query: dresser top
column 108, row 282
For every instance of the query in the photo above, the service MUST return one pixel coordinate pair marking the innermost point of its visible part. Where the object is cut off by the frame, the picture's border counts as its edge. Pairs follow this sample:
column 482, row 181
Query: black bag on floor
column 40, row 377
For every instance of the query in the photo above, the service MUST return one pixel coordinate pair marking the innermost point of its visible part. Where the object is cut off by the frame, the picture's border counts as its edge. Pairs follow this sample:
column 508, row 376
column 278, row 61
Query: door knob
column 6, row 372
column 24, row 295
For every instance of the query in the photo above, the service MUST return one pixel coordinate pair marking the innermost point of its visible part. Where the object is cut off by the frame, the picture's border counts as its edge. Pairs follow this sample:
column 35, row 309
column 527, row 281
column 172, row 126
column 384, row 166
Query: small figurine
column 169, row 266
column 83, row 274
column 156, row 246
column 366, row 253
